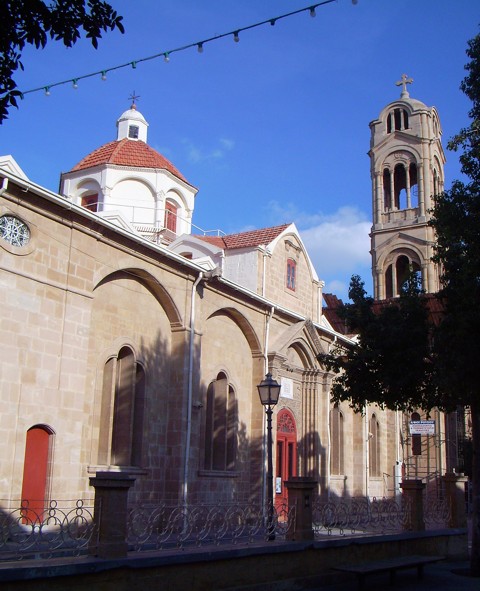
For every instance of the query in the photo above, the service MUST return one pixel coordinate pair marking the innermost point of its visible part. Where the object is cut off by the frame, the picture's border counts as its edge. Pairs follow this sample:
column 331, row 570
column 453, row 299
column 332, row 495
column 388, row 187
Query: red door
column 35, row 471
column 286, row 460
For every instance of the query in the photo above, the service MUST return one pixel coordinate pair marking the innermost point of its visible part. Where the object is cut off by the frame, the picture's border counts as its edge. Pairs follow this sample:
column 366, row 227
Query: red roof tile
column 127, row 152
column 435, row 308
column 246, row 239
column 331, row 312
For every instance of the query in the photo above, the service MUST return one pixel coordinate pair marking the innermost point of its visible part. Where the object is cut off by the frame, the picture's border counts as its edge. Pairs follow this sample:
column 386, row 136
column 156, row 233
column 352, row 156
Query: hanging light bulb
column 166, row 57
column 312, row 12
column 200, row 47
column 104, row 75
column 47, row 90
column 236, row 38
column 272, row 22
column 134, row 65
column 75, row 83
column 354, row 2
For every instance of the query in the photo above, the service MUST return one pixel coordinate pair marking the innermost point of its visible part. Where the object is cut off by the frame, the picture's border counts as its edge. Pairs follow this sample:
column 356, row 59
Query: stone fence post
column 300, row 499
column 413, row 492
column 110, row 514
column 455, row 494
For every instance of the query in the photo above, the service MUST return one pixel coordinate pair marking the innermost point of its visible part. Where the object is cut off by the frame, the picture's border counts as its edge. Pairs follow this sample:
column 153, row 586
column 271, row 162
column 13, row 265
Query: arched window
column 121, row 428
column 291, row 274
column 36, row 472
column 397, row 120
column 387, row 190
column 374, row 446
column 337, row 465
column 397, row 274
column 171, row 210
column 221, row 425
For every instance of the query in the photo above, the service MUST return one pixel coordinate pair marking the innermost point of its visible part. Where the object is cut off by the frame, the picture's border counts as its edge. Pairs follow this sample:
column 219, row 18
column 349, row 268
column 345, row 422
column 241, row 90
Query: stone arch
column 303, row 353
column 396, row 264
column 153, row 286
column 176, row 195
column 244, row 326
column 141, row 180
column 88, row 193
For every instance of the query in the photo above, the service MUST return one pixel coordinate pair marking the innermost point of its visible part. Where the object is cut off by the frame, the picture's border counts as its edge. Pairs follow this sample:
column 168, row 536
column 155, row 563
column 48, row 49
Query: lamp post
column 269, row 392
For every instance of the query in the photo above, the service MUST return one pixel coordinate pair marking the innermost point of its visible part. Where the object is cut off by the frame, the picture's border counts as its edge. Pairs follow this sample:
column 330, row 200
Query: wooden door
column 35, row 473
column 286, row 458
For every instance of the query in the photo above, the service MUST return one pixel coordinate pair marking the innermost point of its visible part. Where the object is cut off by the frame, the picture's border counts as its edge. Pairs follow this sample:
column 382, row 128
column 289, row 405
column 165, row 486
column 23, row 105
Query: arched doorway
column 36, row 469
column 286, row 460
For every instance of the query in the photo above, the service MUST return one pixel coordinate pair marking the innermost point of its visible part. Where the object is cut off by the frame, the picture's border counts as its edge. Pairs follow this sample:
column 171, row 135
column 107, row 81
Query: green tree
column 456, row 220
column 33, row 22
column 392, row 336
column 405, row 359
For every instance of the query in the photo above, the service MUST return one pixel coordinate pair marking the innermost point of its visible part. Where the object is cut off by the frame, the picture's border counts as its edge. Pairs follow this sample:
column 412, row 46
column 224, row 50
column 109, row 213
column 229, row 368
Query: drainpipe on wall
column 367, row 444
column 190, row 389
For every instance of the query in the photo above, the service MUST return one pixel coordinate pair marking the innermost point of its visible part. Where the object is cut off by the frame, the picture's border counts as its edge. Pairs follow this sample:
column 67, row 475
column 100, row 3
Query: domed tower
column 407, row 161
column 132, row 185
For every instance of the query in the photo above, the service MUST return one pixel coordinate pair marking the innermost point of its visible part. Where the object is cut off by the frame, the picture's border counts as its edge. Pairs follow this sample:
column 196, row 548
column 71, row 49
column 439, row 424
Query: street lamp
column 269, row 392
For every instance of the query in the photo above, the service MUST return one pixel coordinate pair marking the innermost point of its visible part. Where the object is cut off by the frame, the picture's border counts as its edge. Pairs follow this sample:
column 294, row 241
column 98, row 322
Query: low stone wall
column 270, row 565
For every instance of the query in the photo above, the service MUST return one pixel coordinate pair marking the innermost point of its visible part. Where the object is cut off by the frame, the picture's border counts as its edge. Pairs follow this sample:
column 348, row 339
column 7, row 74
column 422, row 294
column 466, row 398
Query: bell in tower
column 406, row 164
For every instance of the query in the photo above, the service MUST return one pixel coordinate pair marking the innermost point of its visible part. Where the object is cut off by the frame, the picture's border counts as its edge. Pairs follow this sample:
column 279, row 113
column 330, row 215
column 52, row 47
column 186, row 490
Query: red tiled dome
column 127, row 152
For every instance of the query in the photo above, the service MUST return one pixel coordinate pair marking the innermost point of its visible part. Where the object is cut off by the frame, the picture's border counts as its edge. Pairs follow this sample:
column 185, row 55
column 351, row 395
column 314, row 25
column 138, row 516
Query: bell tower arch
column 407, row 170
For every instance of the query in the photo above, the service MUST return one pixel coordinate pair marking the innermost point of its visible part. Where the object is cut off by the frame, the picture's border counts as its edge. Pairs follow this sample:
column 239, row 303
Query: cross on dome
column 133, row 98
column 403, row 83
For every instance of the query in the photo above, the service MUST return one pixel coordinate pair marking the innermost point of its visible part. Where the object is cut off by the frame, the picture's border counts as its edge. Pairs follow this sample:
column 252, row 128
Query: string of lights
column 166, row 54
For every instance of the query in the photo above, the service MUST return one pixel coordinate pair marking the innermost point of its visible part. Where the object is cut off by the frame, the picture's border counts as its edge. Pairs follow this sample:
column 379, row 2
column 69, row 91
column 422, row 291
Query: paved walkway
column 437, row 577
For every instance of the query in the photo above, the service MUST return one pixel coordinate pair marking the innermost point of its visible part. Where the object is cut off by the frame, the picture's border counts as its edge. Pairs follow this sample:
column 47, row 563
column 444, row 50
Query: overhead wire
column 199, row 45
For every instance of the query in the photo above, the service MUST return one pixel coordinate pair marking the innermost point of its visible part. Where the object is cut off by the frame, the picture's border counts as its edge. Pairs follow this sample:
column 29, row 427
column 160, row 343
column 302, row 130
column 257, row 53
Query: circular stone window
column 14, row 231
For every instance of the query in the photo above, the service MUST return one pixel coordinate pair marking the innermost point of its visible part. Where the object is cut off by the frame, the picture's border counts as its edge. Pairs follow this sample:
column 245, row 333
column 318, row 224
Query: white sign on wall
column 422, row 427
column 287, row 388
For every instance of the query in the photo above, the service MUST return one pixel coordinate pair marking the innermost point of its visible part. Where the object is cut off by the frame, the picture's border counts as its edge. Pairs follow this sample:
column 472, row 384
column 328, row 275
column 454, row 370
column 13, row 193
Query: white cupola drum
column 132, row 125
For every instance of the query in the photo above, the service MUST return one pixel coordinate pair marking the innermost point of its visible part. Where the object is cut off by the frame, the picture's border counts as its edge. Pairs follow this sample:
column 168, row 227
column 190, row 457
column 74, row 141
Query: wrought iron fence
column 359, row 515
column 436, row 512
column 34, row 530
column 162, row 526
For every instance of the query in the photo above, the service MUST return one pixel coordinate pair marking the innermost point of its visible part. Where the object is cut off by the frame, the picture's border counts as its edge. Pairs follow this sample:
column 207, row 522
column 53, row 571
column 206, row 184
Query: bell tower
column 406, row 167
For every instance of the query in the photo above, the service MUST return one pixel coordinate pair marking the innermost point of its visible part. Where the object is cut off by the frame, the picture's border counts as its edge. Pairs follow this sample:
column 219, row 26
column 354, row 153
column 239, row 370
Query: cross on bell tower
column 403, row 83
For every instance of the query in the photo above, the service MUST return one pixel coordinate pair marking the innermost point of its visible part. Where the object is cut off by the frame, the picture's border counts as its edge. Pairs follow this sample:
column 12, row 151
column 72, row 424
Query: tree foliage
column 392, row 365
column 33, row 22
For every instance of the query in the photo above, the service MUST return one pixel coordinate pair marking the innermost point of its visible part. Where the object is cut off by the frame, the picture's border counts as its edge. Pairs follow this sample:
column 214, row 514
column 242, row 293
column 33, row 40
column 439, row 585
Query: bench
column 390, row 565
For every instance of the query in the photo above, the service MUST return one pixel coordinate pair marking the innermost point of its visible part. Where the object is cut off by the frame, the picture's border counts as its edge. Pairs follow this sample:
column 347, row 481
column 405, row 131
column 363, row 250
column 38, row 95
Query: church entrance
column 286, row 465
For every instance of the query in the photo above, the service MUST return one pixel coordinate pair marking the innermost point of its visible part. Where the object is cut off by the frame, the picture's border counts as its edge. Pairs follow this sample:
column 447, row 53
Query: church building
column 131, row 343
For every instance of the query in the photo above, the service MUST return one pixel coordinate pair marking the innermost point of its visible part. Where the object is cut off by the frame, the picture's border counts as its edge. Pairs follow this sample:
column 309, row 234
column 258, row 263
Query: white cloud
column 338, row 244
column 198, row 154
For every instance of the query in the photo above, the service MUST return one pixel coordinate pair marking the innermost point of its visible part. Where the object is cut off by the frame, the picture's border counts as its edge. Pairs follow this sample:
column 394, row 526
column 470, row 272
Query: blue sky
column 271, row 129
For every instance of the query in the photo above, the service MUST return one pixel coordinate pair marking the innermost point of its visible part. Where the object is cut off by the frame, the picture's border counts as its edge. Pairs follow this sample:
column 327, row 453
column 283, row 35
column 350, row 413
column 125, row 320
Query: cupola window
column 133, row 132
